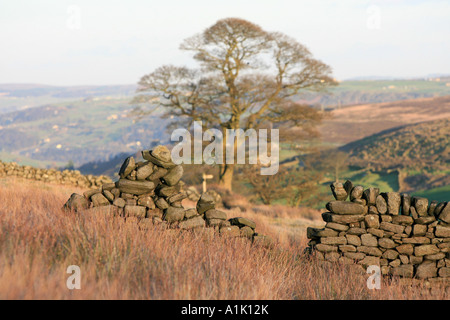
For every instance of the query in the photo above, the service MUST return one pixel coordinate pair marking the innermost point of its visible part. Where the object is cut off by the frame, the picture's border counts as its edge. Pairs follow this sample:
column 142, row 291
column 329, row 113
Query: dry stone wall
column 406, row 236
column 66, row 177
column 152, row 191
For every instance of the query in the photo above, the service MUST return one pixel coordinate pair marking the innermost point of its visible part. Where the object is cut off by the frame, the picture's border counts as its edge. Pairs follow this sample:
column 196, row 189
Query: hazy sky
column 77, row 42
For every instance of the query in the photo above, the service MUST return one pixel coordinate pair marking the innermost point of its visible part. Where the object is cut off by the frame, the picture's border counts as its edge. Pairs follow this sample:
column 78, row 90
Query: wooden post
column 206, row 176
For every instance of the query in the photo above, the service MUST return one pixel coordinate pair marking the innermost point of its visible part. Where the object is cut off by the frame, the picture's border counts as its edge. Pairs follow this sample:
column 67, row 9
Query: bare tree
column 248, row 77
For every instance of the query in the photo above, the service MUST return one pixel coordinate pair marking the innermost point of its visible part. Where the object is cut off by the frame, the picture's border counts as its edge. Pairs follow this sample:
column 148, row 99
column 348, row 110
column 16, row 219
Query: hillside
column 80, row 131
column 357, row 122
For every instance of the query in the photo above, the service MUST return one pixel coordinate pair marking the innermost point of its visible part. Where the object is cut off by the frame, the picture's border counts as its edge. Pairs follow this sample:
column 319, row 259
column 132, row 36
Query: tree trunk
column 226, row 176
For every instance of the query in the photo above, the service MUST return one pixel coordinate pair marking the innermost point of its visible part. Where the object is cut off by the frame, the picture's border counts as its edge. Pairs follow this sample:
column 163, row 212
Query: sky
column 105, row 42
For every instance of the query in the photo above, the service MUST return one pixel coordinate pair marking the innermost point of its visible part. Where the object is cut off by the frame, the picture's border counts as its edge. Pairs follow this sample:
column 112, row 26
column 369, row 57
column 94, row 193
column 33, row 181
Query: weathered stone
column 376, row 232
column 369, row 240
column 205, row 203
column 405, row 271
column 339, row 218
column 419, row 230
column 135, row 187
column 390, row 254
column 444, row 272
column 242, row 222
column 333, row 240
column 356, row 231
column 190, row 213
column 215, row 214
column 395, row 263
column 348, row 186
column 119, row 202
column 108, row 195
column 135, row 211
column 108, row 210
column 356, row 193
column 160, row 156
column 246, row 232
column 353, row 240
column 172, row 214
column 177, row 197
column 404, row 259
column 373, row 210
column 339, row 193
column 406, row 203
column 76, row 203
column 162, row 204
column 370, row 195
column 337, row 226
column 231, row 231
column 370, row 261
column 407, row 249
column 146, row 201
column 425, row 249
column 347, row 248
column 173, row 176
column 421, row 205
column 89, row 193
column 442, row 232
column 426, row 270
column 354, row 255
column 416, row 240
column 381, row 204
column 438, row 209
column 127, row 166
column 436, row 256
column 195, row 222
column 444, row 215
column 326, row 248
column 372, row 251
column 312, row 233
column 344, row 208
column 413, row 212
column 424, row 220
column 99, row 199
column 144, row 171
column 386, row 243
column 393, row 201
column 415, row 260
column 158, row 173
column 432, row 207
column 392, row 227
column 403, row 220
column 385, row 218
column 372, row 221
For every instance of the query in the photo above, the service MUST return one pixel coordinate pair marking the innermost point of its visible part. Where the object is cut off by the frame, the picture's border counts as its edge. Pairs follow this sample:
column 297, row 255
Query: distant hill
column 356, row 122
column 419, row 152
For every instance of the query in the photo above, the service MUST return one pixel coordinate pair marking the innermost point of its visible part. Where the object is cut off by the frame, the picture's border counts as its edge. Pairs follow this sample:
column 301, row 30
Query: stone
column 354, row 255
column 405, row 271
column 425, row 249
column 144, row 171
column 432, row 207
column 195, row 222
column 413, row 213
column 172, row 214
column 135, row 187
column 246, row 232
column 407, row 249
column 99, row 199
column 436, row 256
column 372, row 251
column 395, row 263
column 231, row 231
column 390, row 254
column 215, row 214
column 190, row 213
column 442, row 232
column 173, row 176
column 348, row 186
column 403, row 220
column 76, row 203
column 370, row 195
column 373, row 210
column 344, row 208
column 108, row 195
column 404, row 259
column 444, row 272
column 127, row 166
column 406, row 203
column 381, row 204
column 426, row 270
column 376, row 232
column 353, row 240
column 339, row 218
column 347, row 248
column 438, row 209
column 337, row 226
column 157, row 174
column 146, row 201
column 108, row 210
column 160, row 156
column 119, row 202
column 392, row 227
column 425, row 220
column 177, row 197
column 372, row 221
column 205, row 203
column 393, row 201
column 135, row 211
column 242, row 222
column 370, row 261
column 386, row 243
column 444, row 215
column 416, row 240
column 262, row 240
column 89, row 193
column 339, row 193
column 415, row 260
column 162, row 204
column 421, row 206
column 369, row 240
column 333, row 240
column 326, row 248
column 419, row 230
column 356, row 231
column 356, row 193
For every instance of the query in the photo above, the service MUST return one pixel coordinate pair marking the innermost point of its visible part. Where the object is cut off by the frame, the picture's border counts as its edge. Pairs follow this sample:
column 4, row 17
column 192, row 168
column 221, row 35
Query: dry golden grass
column 118, row 260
